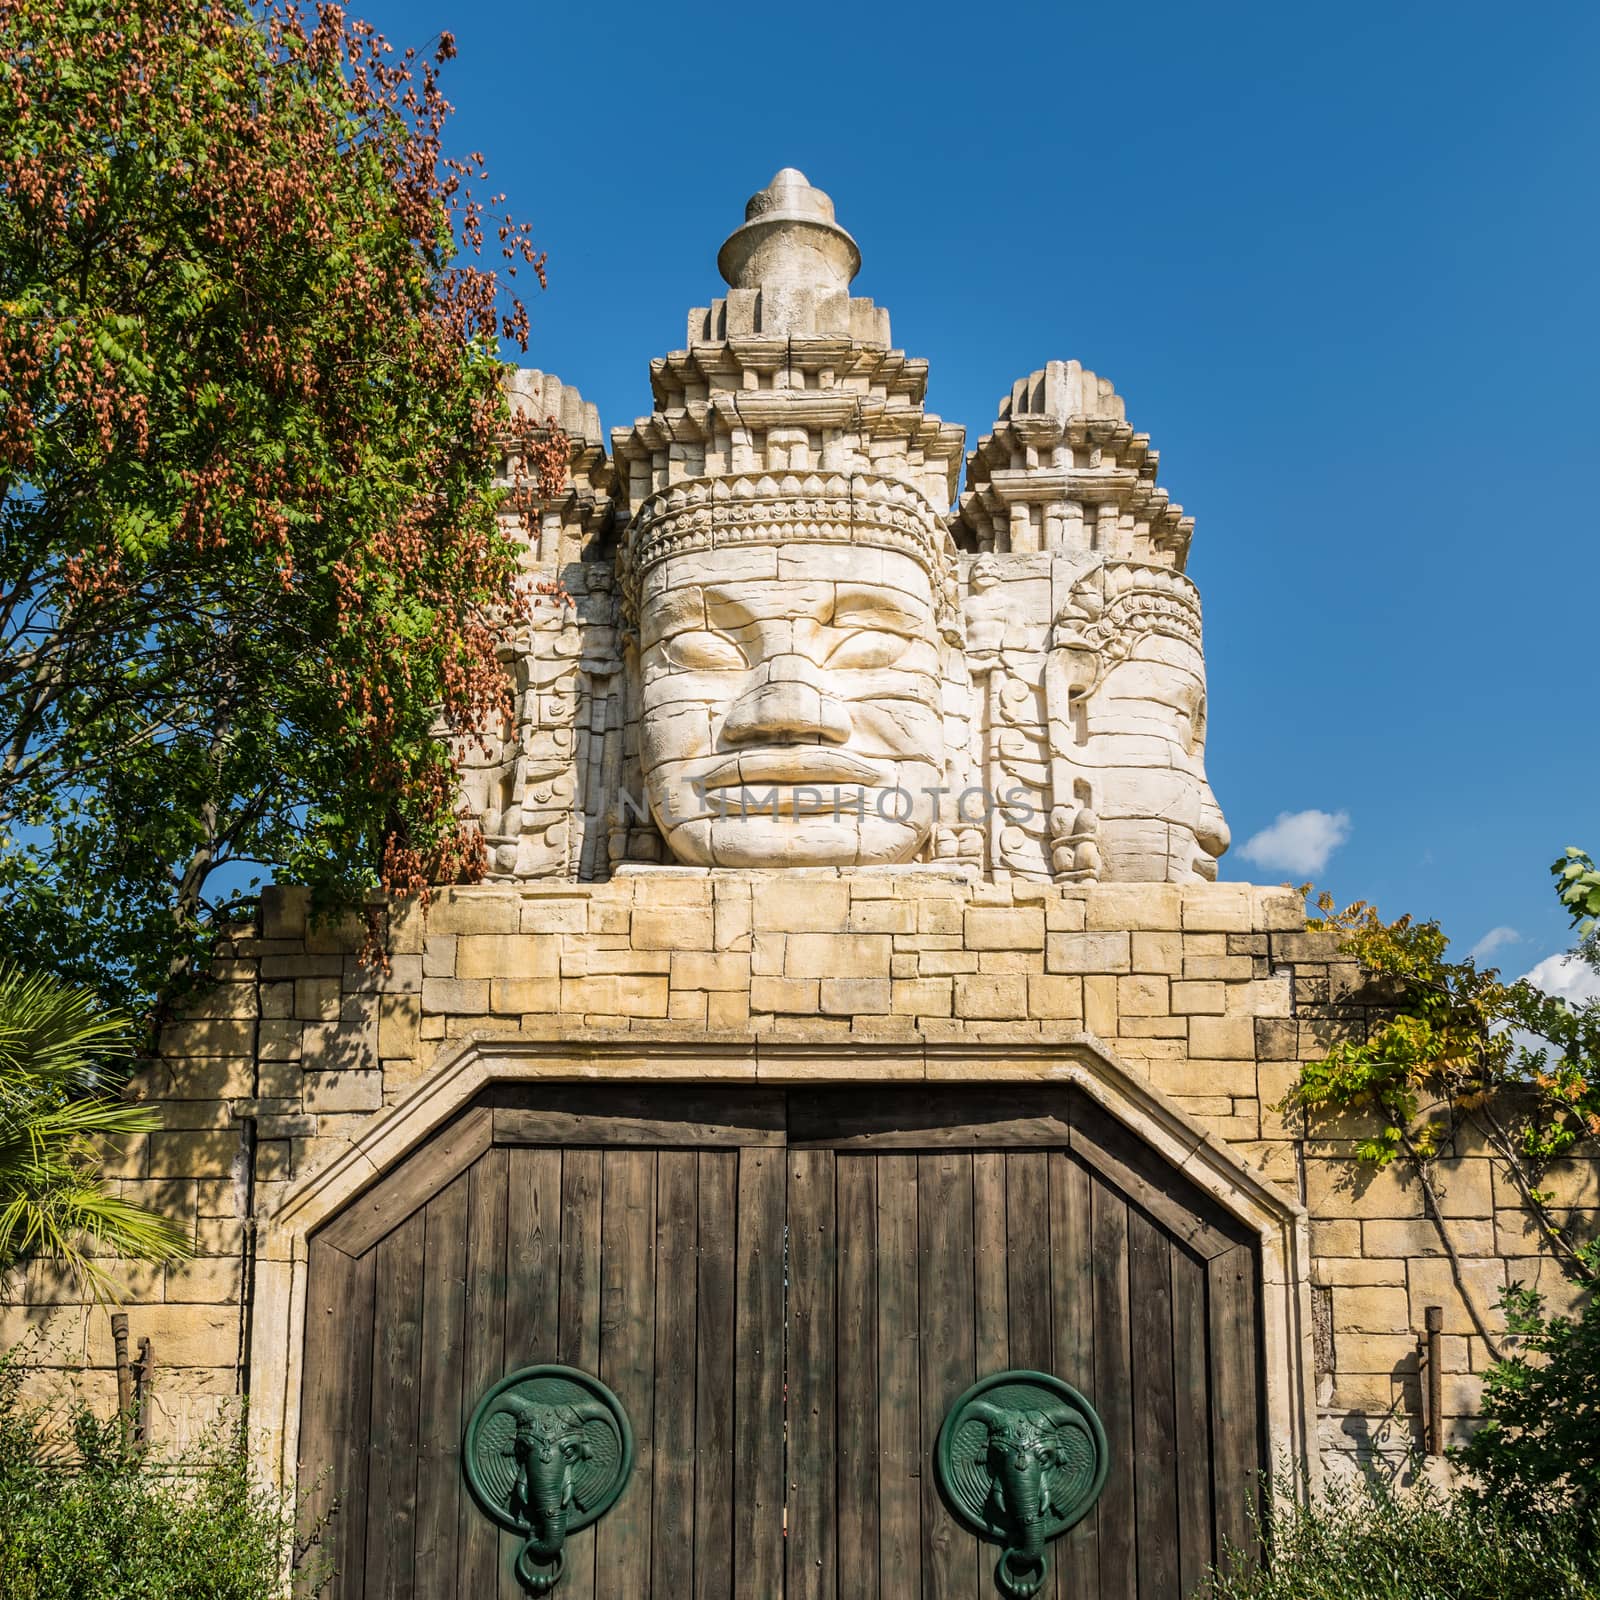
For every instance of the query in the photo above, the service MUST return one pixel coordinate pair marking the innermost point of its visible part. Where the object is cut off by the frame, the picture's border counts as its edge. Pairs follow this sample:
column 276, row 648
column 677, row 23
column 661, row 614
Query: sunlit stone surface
column 792, row 642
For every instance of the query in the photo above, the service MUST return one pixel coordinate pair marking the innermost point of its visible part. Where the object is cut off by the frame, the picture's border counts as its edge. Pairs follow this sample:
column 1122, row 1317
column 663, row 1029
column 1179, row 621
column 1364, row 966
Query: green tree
column 60, row 1052
column 1456, row 1045
column 253, row 572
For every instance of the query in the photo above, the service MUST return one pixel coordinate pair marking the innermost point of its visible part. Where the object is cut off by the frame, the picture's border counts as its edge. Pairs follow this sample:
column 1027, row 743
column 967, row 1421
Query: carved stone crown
column 748, row 508
column 1113, row 606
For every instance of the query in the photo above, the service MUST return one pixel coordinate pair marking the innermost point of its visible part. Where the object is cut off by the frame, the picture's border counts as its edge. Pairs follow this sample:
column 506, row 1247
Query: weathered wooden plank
column 899, row 1384
column 811, row 1551
column 677, row 1244
column 944, row 1227
column 1191, row 1382
column 622, row 1543
column 991, row 1336
column 410, row 1186
column 1235, row 1398
column 336, row 1403
column 758, row 1376
column 484, row 1351
column 569, row 1114
column 1145, row 1178
column 1076, row 1557
column 1154, row 1424
column 578, row 1314
column 397, row 1363
column 929, row 1119
column 855, row 1184
column 533, row 1288
column 1114, row 1515
column 1027, row 1272
column 439, row 1419
column 1028, row 1260
column 714, row 1484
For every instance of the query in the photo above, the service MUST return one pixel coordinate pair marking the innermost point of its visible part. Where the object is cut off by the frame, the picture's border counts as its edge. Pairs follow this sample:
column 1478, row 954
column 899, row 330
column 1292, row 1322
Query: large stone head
column 789, row 659
column 1132, row 634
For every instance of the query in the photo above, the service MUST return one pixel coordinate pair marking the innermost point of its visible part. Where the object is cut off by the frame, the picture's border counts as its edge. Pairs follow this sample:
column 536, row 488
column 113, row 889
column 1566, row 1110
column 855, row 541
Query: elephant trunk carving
column 1020, row 1454
column 549, row 1445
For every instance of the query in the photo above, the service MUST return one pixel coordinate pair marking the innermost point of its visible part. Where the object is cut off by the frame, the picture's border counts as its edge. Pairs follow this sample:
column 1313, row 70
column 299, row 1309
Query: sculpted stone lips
column 803, row 764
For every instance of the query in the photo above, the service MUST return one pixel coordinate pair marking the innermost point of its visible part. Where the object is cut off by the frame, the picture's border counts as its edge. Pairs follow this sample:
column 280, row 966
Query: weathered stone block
column 1218, row 907
column 803, row 905
column 1055, row 997
column 339, row 1046
column 465, row 996
column 1005, row 928
column 1223, row 1037
column 674, row 928
column 1088, row 952
column 474, row 910
column 516, row 955
column 1144, row 995
column 343, row 1091
column 849, row 997
column 833, row 955
column 1119, row 906
column 981, row 995
column 202, row 1153
column 1204, row 998
column 696, row 970
column 931, row 997
column 797, row 996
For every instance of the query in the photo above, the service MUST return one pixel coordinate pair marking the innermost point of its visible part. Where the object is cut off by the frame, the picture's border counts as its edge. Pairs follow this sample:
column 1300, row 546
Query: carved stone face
column 1144, row 752
column 802, row 683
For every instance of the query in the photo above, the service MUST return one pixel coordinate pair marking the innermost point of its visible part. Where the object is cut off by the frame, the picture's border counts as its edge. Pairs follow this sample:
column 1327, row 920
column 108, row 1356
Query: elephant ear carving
column 1073, row 1474
column 594, row 1475
column 494, row 1458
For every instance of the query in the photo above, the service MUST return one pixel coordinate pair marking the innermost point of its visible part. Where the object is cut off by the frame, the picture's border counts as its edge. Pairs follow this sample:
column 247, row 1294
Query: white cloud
column 1566, row 976
column 1492, row 941
column 1299, row 841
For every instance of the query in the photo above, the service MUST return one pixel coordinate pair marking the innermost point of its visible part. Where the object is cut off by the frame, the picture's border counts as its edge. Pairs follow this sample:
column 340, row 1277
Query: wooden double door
column 786, row 1290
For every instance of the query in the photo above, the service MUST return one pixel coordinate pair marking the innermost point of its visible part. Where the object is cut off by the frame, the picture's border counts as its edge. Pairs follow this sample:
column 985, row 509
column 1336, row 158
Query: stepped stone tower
column 807, row 652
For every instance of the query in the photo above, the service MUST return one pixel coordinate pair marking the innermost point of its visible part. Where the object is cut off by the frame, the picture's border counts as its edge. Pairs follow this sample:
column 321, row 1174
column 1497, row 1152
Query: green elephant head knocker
column 547, row 1451
column 1021, row 1458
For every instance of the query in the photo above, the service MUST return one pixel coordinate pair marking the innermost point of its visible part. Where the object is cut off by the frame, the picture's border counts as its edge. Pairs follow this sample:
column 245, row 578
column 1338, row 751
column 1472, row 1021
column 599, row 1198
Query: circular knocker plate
column 547, row 1451
column 1021, row 1458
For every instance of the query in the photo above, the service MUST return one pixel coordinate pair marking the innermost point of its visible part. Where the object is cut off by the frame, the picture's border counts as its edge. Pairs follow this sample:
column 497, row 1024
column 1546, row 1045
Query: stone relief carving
column 790, row 643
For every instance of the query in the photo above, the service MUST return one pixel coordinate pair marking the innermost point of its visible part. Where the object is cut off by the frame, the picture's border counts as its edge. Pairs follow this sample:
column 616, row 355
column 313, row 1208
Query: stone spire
column 788, row 268
column 789, row 240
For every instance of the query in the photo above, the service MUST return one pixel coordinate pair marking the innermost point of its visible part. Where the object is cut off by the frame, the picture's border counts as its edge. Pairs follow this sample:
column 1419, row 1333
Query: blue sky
column 1340, row 261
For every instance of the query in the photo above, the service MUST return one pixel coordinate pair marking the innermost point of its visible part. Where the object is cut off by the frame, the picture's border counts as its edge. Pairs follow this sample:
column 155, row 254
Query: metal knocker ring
column 1020, row 1573
column 540, row 1582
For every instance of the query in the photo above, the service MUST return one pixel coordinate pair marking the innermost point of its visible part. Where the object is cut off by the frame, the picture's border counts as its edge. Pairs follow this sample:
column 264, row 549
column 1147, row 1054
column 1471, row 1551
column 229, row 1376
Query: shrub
column 1369, row 1541
column 1538, row 1451
column 85, row 1517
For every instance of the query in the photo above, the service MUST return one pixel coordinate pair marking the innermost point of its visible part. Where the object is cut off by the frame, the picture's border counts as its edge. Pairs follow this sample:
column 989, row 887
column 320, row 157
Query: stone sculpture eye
column 868, row 647
column 701, row 650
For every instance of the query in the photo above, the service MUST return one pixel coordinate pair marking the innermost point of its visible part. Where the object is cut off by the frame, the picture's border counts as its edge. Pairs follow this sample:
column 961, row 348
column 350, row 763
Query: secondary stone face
column 793, row 646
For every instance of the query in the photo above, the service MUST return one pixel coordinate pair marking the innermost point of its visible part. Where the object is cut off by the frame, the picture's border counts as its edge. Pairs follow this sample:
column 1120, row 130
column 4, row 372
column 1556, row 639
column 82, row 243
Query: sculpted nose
column 1213, row 832
column 789, row 707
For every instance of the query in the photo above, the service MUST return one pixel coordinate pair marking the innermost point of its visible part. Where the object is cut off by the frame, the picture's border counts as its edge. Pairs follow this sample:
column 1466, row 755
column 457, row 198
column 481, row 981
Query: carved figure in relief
column 778, row 660
column 1130, row 638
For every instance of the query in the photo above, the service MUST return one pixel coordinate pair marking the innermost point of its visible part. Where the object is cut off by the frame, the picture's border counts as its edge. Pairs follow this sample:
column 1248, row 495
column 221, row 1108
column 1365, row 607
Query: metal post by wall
column 1431, row 1364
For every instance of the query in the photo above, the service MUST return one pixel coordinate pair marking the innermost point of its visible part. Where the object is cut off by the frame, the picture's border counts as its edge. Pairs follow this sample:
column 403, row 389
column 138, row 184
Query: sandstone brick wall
column 1216, row 993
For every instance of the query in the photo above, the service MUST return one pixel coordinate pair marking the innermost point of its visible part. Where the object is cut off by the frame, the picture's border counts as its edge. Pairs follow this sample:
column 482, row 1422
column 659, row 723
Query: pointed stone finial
column 789, row 241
